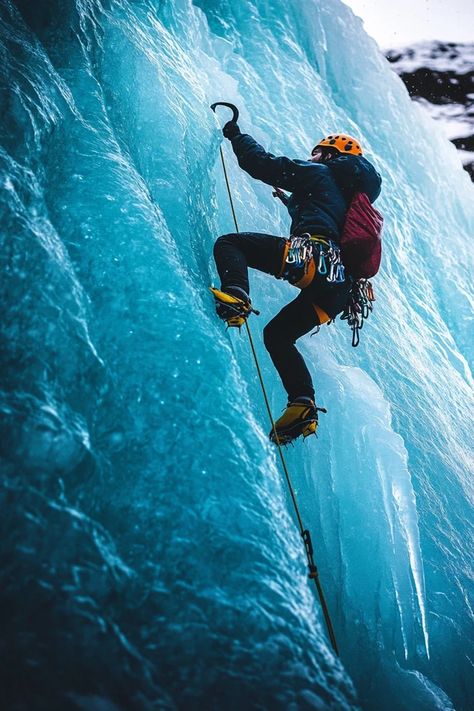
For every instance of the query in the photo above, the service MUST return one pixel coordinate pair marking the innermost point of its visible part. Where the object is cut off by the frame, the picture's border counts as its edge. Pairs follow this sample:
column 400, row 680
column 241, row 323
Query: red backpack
column 361, row 239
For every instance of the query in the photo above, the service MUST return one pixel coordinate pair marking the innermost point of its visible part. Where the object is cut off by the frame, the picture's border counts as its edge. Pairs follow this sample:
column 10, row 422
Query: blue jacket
column 321, row 192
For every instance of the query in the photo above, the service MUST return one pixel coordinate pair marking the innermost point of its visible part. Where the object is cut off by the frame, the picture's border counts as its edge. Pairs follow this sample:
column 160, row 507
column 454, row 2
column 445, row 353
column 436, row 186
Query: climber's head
column 335, row 145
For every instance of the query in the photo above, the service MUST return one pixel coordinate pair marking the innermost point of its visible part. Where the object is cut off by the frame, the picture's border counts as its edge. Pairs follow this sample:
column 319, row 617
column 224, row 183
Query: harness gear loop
column 313, row 574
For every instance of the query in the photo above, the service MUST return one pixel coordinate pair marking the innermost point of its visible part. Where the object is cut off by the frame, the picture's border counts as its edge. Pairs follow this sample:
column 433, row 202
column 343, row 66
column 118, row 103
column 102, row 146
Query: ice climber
column 321, row 188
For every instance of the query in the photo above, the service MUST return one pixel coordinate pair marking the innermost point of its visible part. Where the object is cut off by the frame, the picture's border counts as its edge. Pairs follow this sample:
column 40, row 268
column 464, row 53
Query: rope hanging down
column 304, row 532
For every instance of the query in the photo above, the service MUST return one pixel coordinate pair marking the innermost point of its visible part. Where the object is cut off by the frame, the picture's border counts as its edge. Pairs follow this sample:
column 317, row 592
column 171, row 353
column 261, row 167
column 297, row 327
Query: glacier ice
column 151, row 559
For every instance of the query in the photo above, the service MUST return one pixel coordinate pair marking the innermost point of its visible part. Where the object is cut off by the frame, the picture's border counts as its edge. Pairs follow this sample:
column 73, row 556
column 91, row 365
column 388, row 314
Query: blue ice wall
column 150, row 555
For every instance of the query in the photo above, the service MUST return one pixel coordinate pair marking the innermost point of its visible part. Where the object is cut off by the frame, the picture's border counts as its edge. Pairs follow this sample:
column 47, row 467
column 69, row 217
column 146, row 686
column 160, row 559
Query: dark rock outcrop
column 440, row 75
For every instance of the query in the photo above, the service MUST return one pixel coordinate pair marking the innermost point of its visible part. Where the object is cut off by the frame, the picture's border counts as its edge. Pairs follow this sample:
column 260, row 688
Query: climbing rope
column 304, row 532
column 228, row 189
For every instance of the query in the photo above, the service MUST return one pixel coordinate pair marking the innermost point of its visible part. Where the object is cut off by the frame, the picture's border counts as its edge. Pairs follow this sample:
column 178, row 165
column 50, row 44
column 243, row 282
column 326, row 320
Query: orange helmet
column 342, row 143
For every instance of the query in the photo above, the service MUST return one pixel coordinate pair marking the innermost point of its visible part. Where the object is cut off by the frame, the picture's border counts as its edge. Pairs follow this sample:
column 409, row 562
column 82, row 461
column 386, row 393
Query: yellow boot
column 232, row 306
column 299, row 418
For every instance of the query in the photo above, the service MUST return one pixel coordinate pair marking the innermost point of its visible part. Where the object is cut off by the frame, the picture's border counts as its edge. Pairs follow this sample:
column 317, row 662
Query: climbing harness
column 306, row 254
column 358, row 307
column 304, row 532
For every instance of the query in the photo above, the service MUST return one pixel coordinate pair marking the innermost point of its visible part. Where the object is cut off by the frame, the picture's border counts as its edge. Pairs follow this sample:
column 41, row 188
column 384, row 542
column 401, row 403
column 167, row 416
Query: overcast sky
column 395, row 23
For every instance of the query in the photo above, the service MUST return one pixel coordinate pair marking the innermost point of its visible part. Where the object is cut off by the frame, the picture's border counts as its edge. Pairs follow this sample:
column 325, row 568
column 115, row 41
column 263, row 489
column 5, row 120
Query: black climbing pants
column 234, row 253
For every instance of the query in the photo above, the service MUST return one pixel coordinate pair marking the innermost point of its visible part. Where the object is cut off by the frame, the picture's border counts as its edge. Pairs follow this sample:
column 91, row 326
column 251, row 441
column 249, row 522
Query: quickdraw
column 329, row 262
column 358, row 307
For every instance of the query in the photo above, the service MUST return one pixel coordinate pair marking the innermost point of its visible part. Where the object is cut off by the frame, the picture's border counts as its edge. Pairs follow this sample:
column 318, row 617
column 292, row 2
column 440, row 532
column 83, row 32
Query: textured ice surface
column 150, row 559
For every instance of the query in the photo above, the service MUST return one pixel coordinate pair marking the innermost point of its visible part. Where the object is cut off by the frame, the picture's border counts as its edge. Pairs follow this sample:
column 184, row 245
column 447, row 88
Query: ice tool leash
column 304, row 532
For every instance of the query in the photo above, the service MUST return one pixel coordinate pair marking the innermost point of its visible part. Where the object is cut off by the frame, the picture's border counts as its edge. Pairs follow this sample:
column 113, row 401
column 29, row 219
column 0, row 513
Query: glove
column 231, row 130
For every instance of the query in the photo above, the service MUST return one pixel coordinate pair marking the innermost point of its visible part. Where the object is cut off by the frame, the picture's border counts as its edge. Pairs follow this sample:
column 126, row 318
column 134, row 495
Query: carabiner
column 331, row 276
column 322, row 267
column 340, row 275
